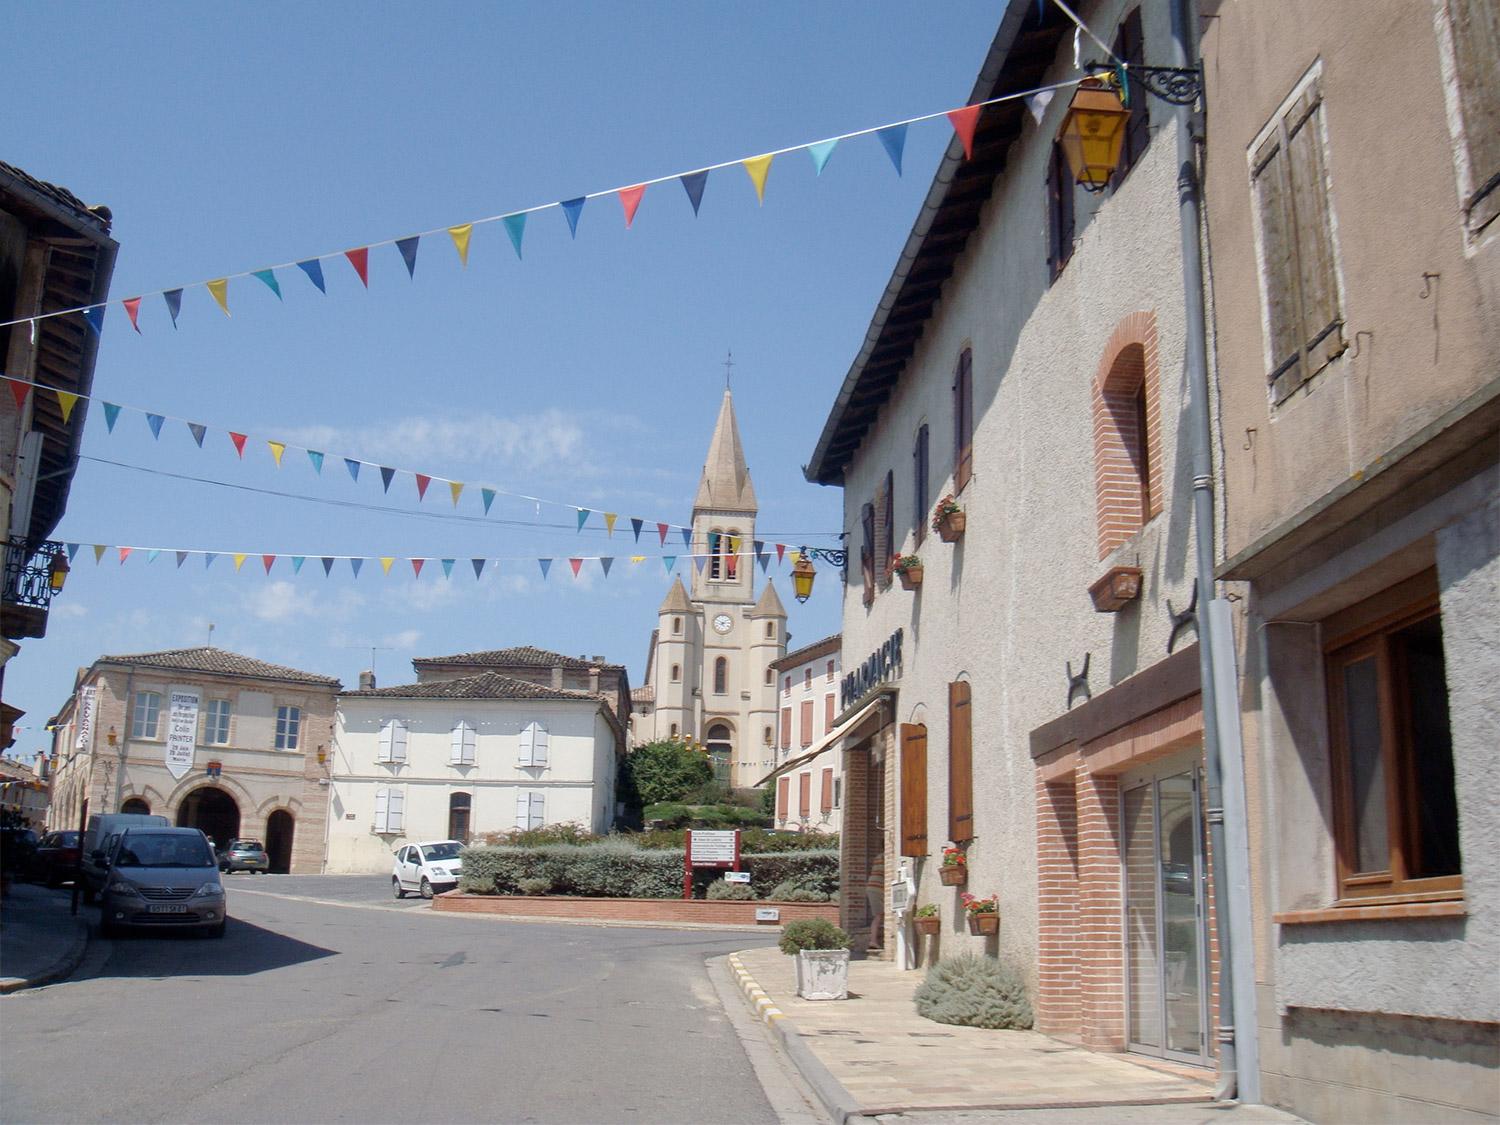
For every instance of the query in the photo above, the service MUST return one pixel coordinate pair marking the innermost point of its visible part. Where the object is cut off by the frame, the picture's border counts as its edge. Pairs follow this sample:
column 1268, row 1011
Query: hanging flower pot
column 984, row 923
column 908, row 568
column 953, row 874
column 984, row 914
column 928, row 924
column 948, row 519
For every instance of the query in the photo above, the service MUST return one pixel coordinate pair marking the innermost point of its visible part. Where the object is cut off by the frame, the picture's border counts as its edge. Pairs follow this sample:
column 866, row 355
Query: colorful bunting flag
column 327, row 565
column 488, row 495
column 111, row 412
column 198, row 431
column 605, row 564
column 297, row 561
column 386, row 563
column 630, row 199
column 478, row 565
column 239, row 561
column 460, row 237
column 173, row 297
column 422, row 483
column 99, row 550
column 609, row 524
column 353, row 467
column 355, row 564
column 151, row 557
column 408, row 248
column 268, row 560
column 73, row 551
column 780, row 550
column 635, row 526
column 360, row 260
column 515, row 226
column 687, row 537
column 964, row 120
column 893, row 137
column 208, row 559
column 94, row 317
column 133, row 311
column 758, row 167
column 661, row 529
column 455, row 487
column 692, row 183
column 125, row 553
column 637, row 558
column 220, row 290
column 575, row 564
column 155, row 421
column 546, row 565
column 313, row 267
column 19, row 391
column 448, row 568
column 239, row 443
column 670, row 561
column 181, row 558
column 416, row 567
column 583, row 517
column 317, row 461
column 269, row 277
column 820, row 152
column 385, row 477
column 66, row 401
column 277, row 449
column 698, row 561
column 572, row 208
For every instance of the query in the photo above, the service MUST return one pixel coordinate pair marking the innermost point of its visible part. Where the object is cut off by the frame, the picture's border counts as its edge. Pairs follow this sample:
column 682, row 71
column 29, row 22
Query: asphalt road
column 329, row 1001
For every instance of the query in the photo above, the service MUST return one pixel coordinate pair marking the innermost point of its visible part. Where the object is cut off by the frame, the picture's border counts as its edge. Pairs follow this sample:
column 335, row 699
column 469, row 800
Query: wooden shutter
column 783, row 797
column 538, row 815
column 1060, row 187
column 827, row 801
column 1476, row 58
column 1320, row 291
column 538, row 744
column 804, row 794
column 393, row 740
column 867, row 551
column 888, row 526
column 960, row 763
column 919, row 488
column 828, row 712
column 382, row 808
column 807, row 722
column 461, row 751
column 913, row 789
column 1130, row 48
column 523, row 810
column 963, row 420
column 786, row 728
column 395, row 811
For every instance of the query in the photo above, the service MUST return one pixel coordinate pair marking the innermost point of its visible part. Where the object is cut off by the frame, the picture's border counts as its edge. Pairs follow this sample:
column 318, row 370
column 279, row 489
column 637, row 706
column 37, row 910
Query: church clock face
column 723, row 623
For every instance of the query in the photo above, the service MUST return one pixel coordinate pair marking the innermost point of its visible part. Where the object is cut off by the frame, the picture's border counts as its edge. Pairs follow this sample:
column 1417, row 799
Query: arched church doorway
column 136, row 805
column 720, row 749
column 279, row 828
column 213, row 812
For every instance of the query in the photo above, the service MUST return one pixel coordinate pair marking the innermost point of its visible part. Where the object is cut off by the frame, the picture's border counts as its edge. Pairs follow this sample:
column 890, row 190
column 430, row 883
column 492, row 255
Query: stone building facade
column 809, row 769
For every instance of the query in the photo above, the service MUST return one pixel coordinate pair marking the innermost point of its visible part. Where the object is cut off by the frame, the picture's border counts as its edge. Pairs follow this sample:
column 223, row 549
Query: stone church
column 709, row 678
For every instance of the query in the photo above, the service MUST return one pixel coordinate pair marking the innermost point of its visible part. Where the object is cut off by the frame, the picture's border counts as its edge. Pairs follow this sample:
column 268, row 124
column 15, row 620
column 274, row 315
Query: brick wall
column 1130, row 363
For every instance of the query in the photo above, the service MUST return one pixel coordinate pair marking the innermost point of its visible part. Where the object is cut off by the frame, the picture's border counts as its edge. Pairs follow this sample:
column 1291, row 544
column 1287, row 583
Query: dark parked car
column 56, row 859
column 244, row 855
column 17, row 848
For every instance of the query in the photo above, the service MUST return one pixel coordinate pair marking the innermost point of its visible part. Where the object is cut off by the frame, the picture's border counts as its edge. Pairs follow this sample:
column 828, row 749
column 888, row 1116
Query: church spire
column 726, row 486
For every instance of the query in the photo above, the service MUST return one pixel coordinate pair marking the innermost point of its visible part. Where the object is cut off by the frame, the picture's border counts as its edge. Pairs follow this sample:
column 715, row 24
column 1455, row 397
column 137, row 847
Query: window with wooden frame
column 828, row 712
column 825, row 805
column 960, row 763
column 867, row 551
column 1471, row 49
column 783, row 798
column 786, row 728
column 804, row 795
column 963, row 420
column 1060, row 220
column 1299, row 276
column 920, row 493
column 807, row 722
column 1130, row 48
column 1395, row 805
column 721, row 675
column 913, row 789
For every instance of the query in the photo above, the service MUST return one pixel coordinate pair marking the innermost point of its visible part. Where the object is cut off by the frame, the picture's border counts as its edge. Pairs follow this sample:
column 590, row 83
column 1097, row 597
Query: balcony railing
column 28, row 573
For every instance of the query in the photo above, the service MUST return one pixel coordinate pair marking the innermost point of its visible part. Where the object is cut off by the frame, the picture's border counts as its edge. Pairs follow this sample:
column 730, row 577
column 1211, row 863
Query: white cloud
column 538, row 439
column 281, row 601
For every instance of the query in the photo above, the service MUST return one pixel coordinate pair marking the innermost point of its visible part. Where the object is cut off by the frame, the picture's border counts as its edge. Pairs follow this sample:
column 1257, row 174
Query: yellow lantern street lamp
column 57, row 572
column 1093, row 132
column 803, row 573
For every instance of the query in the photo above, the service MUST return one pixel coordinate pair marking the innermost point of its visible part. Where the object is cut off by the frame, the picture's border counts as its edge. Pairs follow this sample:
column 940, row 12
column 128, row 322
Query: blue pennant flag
column 173, row 297
column 687, row 537
column 820, row 153
column 151, row 557
column 269, row 277
column 636, row 526
column 572, row 208
column 317, row 459
column 606, row 564
column 670, row 560
column 94, row 314
column 408, row 248
column 297, row 561
column 111, row 412
column 693, row 183
column 546, row 565
column 353, row 467
column 155, row 421
column 208, row 559
column 489, row 498
column 761, row 556
column 355, row 564
column 314, row 270
column 327, row 565
column 72, row 551
column 698, row 561
column 447, row 568
column 385, row 477
column 198, row 431
column 894, row 139
column 478, row 566
column 515, row 226
column 583, row 517
column 181, row 558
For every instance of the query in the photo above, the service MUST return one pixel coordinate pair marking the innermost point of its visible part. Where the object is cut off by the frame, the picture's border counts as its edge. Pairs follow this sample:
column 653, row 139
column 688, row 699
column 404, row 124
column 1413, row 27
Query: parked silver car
column 161, row 878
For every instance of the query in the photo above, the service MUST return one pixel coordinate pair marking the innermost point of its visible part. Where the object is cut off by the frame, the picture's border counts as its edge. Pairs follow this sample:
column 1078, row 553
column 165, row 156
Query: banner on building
column 85, row 718
column 182, row 732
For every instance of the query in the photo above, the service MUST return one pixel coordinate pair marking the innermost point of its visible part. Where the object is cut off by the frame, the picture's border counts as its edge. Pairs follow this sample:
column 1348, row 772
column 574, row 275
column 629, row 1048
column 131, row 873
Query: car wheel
column 397, row 887
column 426, row 888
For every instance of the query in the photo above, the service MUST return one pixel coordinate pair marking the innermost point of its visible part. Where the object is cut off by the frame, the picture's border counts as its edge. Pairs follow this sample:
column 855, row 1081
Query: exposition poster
column 85, row 718
column 182, row 731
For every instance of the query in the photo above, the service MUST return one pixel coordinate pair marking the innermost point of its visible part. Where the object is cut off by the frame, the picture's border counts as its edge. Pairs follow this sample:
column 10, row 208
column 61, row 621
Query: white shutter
column 462, row 750
column 523, row 810
column 394, row 812
column 539, row 746
column 538, row 810
column 398, row 740
column 382, row 808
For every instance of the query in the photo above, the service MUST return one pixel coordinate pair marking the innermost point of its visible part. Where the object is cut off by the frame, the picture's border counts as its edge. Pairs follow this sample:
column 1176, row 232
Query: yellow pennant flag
column 461, row 240
column 67, row 402
column 455, row 487
column 239, row 561
column 637, row 558
column 794, row 556
column 98, row 552
column 758, row 167
column 277, row 449
column 387, row 564
column 220, row 290
column 609, row 523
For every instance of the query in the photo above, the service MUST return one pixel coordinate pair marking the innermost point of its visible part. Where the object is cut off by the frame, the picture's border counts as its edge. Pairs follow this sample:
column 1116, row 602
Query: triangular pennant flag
column 155, row 421
column 99, row 549
column 20, row 390
column 583, row 517
column 515, row 226
column 385, row 477
column 893, row 137
column 133, row 311
column 239, row 561
column 173, row 297
column 353, row 467
column 268, row 560
column 670, row 560
column 416, row 567
column 355, row 564
column 408, row 248
column 489, row 498
column 125, row 553
column 780, row 550
column 220, row 290
column 820, row 152
column 151, row 557
column 630, row 199
column 794, row 556
column 635, row 526
column 208, row 559
column 198, row 431
column 687, row 537
column 661, row 529
column 575, row 564
column 698, row 561
column 693, row 183
column 181, row 558
column 314, row 270
column 447, row 568
column 94, row 315
column 360, row 260
column 65, row 402
column 422, row 483
column 637, row 558
column 111, row 412
column 277, row 449
column 455, row 487
column 758, row 167
column 964, row 121
column 606, row 564
column 478, row 565
column 609, row 524
column 1038, row 104
column 269, row 277
column 317, row 461
column 386, row 563
column 572, row 208
column 73, row 551
column 239, row 443
column 761, row 556
column 546, row 565
column 297, row 561
column 327, row 565
column 461, row 241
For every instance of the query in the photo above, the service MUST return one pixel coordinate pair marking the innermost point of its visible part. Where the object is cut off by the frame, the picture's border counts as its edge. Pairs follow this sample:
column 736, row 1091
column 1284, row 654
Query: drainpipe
column 1239, row 1073
column 124, row 737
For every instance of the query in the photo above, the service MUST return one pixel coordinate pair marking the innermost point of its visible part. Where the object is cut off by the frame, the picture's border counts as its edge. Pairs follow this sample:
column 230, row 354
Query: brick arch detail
column 1130, row 360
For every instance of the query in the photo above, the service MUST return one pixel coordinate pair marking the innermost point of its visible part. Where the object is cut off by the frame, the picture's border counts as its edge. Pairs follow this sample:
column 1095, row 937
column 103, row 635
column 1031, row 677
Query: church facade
column 709, row 675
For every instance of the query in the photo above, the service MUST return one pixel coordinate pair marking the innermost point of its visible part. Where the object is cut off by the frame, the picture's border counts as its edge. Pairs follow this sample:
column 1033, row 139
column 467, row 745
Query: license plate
column 167, row 908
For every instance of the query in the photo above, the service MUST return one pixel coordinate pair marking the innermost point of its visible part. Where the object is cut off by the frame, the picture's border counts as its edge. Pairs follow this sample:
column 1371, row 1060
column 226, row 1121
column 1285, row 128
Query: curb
column 57, row 971
column 839, row 1103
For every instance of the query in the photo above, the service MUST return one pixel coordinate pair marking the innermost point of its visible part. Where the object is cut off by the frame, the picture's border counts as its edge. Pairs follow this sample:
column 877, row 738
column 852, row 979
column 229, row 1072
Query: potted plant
column 984, row 914
column 908, row 568
column 821, row 951
column 948, row 519
column 925, row 919
column 954, row 871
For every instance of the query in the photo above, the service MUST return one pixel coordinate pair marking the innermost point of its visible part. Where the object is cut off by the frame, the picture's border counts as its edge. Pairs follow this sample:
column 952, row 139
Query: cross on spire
column 728, row 364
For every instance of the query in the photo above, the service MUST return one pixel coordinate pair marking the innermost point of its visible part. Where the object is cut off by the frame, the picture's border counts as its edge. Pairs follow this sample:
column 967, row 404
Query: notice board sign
column 709, row 849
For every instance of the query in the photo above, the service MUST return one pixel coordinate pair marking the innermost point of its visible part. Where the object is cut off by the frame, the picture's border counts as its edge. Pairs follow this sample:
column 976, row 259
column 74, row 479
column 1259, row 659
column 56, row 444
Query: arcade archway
column 212, row 811
column 279, row 828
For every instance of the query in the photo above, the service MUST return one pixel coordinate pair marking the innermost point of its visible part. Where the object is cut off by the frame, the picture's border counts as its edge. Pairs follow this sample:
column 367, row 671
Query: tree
column 666, row 770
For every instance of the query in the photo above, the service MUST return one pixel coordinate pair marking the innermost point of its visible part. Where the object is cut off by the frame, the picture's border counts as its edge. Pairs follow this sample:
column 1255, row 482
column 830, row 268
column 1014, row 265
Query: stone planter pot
column 951, row 527
column 911, row 577
column 984, row 923
column 928, row 925
column 823, row 974
column 953, row 874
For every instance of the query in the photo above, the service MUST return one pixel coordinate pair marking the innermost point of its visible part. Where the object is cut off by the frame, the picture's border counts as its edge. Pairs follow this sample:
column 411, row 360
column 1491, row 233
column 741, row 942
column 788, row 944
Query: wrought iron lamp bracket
column 1174, row 84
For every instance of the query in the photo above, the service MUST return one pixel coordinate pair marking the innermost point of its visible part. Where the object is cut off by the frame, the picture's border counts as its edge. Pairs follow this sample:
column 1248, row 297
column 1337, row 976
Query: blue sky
column 227, row 138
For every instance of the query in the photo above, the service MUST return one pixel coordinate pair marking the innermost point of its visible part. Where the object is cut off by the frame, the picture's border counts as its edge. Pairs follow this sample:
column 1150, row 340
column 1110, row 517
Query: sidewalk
column 872, row 1054
column 40, row 942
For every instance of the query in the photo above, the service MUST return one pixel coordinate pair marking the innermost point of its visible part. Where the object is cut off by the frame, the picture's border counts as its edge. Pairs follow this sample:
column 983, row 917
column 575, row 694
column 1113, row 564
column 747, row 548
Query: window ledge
column 1386, row 911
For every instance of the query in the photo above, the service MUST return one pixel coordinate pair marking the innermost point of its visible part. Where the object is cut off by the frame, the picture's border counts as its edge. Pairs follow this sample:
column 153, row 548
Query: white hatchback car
column 426, row 868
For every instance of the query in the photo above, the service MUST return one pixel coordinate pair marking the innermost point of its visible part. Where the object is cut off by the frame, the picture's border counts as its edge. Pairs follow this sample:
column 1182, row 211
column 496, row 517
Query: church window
column 770, row 677
column 715, row 561
column 674, row 731
column 770, row 630
column 677, row 626
column 677, row 673
column 721, row 675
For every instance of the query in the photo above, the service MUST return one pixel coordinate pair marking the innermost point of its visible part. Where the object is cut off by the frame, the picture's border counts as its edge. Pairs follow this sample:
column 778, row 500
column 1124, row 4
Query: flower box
column 823, row 974
column 1119, row 586
column 984, row 923
column 911, row 577
column 953, row 874
column 950, row 526
column 928, row 925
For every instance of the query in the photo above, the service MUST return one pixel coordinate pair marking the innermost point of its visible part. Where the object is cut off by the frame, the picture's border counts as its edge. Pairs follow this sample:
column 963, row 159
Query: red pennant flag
column 416, row 567
column 661, row 529
column 422, row 483
column 780, row 550
column 133, row 310
column 630, row 198
column 360, row 260
column 19, row 391
column 575, row 564
column 964, row 121
column 125, row 553
column 268, row 560
column 239, row 443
